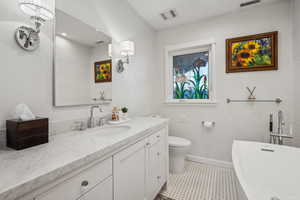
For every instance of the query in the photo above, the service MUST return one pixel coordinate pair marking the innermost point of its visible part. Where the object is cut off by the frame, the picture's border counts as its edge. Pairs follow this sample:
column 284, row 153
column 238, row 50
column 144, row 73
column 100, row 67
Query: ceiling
column 78, row 31
column 188, row 10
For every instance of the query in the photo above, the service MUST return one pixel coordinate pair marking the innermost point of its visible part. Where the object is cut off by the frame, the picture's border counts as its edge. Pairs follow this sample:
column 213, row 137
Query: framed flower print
column 103, row 72
column 252, row 53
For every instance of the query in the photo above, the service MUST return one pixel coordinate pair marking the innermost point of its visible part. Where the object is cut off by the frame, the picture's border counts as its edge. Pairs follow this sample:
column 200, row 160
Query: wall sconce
column 39, row 11
column 127, row 49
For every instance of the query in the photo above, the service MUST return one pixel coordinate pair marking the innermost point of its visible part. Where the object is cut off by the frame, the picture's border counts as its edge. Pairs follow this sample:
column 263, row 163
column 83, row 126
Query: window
column 189, row 73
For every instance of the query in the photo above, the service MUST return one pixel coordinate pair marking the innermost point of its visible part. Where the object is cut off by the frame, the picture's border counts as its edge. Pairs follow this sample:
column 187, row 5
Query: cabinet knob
column 158, row 153
column 84, row 183
column 158, row 136
column 159, row 177
column 148, row 144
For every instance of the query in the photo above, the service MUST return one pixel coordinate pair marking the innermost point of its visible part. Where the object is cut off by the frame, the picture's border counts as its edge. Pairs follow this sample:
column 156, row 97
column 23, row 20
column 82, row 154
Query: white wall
column 24, row 76
column 296, row 44
column 233, row 121
column 27, row 77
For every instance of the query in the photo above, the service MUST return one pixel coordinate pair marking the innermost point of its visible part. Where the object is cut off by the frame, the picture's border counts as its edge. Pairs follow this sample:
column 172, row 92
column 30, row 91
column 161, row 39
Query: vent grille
column 169, row 14
column 249, row 3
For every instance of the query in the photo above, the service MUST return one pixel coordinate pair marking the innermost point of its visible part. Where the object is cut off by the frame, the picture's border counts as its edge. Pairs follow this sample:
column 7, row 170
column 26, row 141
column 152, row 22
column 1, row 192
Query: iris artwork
column 190, row 74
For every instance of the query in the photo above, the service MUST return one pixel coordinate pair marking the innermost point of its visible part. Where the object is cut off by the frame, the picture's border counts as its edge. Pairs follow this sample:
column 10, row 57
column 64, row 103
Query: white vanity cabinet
column 140, row 170
column 135, row 172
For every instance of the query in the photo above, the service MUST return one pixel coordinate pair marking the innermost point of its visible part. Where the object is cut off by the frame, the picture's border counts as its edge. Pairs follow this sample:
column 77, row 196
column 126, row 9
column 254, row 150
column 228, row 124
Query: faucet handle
column 91, row 122
column 80, row 125
column 102, row 121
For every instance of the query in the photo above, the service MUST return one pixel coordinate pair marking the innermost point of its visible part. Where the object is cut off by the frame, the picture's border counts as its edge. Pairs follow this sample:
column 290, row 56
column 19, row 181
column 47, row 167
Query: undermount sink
column 115, row 129
column 111, row 130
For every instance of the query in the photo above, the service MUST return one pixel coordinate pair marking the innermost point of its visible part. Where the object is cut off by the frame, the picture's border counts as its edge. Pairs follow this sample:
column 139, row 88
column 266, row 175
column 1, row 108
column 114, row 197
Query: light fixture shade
column 110, row 50
column 43, row 9
column 127, row 48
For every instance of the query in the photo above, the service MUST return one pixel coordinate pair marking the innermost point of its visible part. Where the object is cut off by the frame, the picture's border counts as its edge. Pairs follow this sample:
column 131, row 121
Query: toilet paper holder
column 213, row 123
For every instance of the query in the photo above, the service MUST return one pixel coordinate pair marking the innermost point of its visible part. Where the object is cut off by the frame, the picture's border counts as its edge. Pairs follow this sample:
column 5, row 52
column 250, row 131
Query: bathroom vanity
column 124, row 162
column 111, row 162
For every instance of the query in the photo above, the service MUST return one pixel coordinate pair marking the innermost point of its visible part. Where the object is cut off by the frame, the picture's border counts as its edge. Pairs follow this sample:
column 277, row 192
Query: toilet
column 178, row 148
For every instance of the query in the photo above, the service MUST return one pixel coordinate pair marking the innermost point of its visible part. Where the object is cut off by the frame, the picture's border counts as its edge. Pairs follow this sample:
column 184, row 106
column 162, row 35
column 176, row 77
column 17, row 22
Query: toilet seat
column 178, row 142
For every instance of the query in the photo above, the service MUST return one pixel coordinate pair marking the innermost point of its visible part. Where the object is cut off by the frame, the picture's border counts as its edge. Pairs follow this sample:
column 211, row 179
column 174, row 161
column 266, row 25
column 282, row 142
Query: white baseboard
column 209, row 161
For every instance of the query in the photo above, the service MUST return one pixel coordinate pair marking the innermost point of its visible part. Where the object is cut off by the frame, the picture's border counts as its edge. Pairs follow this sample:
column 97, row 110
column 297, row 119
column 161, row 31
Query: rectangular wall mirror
column 82, row 64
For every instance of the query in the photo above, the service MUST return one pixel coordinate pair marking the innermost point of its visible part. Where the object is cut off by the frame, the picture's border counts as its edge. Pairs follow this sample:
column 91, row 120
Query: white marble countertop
column 24, row 171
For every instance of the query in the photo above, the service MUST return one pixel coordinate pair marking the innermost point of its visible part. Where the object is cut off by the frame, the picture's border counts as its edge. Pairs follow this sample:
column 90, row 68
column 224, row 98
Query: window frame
column 187, row 48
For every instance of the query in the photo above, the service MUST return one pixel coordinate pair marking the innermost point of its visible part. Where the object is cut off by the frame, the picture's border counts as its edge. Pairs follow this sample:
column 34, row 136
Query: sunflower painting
column 103, row 71
column 252, row 53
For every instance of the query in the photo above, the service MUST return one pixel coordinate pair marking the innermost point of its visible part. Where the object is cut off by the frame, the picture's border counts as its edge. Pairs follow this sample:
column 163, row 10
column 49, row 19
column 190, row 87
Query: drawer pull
column 159, row 177
column 84, row 183
column 158, row 136
column 158, row 153
column 148, row 144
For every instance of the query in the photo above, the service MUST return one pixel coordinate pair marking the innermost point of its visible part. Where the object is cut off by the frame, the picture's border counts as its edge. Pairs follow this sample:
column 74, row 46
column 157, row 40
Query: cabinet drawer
column 102, row 191
column 156, row 137
column 78, row 185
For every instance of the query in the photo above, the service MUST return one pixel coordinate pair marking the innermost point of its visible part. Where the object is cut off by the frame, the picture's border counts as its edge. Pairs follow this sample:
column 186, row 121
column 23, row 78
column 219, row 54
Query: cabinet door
column 156, row 166
column 152, row 172
column 129, row 173
column 102, row 191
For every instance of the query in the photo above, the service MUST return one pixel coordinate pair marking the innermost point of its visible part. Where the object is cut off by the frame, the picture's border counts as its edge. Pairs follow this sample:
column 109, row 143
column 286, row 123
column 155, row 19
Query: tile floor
column 202, row 182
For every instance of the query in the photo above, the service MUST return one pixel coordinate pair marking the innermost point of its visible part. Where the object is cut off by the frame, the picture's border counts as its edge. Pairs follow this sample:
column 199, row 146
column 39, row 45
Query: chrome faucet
column 281, row 125
column 91, row 121
column 277, row 138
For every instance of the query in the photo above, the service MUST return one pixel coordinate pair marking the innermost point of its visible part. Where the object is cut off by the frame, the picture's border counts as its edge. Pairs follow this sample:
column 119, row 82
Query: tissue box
column 24, row 134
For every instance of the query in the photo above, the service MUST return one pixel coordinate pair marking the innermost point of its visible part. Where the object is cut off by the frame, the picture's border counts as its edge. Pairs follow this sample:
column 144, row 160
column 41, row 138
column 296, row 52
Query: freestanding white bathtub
column 267, row 171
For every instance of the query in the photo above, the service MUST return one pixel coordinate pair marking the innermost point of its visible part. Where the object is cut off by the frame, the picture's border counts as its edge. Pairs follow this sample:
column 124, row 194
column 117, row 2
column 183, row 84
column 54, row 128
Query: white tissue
column 208, row 124
column 24, row 113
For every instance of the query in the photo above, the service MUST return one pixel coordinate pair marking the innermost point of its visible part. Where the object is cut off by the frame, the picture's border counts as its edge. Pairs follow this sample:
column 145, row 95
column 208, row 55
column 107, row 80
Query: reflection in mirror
column 83, row 67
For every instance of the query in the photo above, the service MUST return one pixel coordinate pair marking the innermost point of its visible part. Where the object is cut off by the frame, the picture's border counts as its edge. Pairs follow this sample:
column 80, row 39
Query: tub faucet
column 278, row 137
column 91, row 121
column 281, row 125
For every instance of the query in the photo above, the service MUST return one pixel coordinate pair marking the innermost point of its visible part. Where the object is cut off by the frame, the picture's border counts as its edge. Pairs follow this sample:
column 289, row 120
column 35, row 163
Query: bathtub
column 267, row 171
